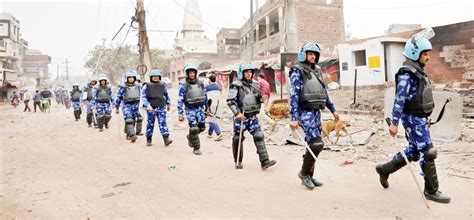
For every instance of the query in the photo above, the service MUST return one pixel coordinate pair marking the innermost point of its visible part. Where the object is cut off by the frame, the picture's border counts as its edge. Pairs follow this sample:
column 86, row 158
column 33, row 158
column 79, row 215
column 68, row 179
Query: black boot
column 100, row 123
column 384, row 170
column 315, row 182
column 129, row 128
column 259, row 140
column 148, row 141
column 89, row 120
column 307, row 168
column 94, row 120
column 197, row 151
column 306, row 180
column 77, row 114
column 235, row 148
column 167, row 140
column 107, row 120
column 139, row 126
column 436, row 196
column 193, row 140
column 239, row 166
column 431, row 179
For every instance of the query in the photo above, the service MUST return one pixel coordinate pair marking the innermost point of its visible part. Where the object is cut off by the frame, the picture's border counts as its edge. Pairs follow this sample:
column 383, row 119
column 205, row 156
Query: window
column 359, row 58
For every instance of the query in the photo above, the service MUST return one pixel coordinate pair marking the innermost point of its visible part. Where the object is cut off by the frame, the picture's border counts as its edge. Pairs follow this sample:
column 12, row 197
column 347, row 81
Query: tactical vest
column 422, row 104
column 313, row 94
column 249, row 99
column 155, row 92
column 132, row 94
column 195, row 95
column 103, row 94
column 90, row 91
column 76, row 96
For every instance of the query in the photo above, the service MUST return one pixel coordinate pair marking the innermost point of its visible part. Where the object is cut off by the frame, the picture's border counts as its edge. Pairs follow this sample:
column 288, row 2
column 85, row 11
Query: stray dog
column 340, row 125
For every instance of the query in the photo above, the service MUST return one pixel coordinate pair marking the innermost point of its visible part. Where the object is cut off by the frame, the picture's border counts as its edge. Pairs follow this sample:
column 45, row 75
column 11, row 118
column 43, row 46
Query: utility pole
column 251, row 30
column 144, row 65
column 290, row 27
column 101, row 53
column 67, row 69
column 57, row 73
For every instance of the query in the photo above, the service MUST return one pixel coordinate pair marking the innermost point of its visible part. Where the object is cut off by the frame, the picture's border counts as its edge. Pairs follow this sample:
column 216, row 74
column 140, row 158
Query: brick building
column 283, row 25
column 35, row 65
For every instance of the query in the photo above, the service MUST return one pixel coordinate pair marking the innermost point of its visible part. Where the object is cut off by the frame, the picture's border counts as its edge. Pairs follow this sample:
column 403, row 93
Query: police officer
column 308, row 98
column 193, row 96
column 413, row 105
column 87, row 98
column 244, row 99
column 103, row 97
column 139, row 125
column 76, row 101
column 129, row 93
column 156, row 100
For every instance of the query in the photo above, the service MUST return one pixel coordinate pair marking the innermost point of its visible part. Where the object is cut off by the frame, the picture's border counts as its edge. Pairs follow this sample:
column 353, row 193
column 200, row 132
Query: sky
column 71, row 28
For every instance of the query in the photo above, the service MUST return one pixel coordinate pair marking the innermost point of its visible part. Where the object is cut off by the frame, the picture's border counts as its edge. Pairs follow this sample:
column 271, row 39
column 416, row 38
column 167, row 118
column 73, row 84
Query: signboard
column 374, row 62
column 33, row 69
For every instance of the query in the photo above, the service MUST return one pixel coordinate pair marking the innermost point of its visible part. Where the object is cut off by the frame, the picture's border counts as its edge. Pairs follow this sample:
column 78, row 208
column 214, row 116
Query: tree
column 158, row 60
column 114, row 61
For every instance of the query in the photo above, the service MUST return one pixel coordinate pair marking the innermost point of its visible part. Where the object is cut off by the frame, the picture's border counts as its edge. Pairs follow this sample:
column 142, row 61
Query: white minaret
column 192, row 21
column 193, row 33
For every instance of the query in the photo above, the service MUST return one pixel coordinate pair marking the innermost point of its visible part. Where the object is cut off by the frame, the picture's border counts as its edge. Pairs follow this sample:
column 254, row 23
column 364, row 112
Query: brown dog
column 340, row 125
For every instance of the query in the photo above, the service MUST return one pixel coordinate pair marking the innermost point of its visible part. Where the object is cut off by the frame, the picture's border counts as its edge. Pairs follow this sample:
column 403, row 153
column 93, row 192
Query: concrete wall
column 365, row 75
column 449, row 128
column 314, row 20
column 393, row 59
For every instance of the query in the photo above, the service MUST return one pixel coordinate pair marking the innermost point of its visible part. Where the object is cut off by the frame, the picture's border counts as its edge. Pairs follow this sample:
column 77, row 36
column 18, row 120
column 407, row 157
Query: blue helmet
column 75, row 85
column 130, row 73
column 138, row 77
column 190, row 67
column 102, row 78
column 155, row 72
column 413, row 48
column 243, row 67
column 309, row 46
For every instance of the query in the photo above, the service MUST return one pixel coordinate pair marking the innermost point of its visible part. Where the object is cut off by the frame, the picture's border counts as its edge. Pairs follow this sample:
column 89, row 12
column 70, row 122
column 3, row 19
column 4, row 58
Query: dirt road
column 53, row 167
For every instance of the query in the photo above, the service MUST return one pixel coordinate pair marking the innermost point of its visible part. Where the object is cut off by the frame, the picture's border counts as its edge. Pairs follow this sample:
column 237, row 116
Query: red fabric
column 264, row 88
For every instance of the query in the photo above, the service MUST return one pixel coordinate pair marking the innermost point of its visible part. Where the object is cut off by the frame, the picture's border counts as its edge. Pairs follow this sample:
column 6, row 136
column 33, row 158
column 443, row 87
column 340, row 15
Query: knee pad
column 100, row 117
column 108, row 116
column 129, row 121
column 258, row 135
column 194, row 130
column 139, row 118
column 316, row 145
column 430, row 154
